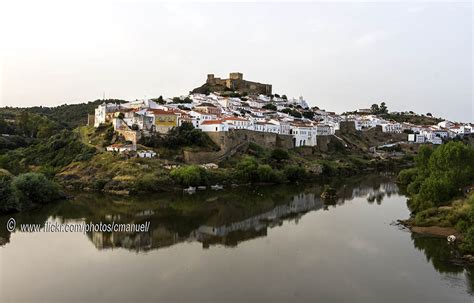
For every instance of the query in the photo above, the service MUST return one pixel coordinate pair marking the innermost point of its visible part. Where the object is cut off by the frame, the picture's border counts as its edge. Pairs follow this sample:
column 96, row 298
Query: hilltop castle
column 235, row 82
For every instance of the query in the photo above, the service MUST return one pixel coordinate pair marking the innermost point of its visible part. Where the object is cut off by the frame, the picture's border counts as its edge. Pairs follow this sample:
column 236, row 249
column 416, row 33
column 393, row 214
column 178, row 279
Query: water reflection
column 441, row 256
column 228, row 218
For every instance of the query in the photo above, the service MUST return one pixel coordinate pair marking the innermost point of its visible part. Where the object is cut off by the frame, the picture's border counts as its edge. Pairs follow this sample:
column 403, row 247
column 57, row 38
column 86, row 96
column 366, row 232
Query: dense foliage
column 190, row 175
column 26, row 124
column 65, row 116
column 438, row 175
column 292, row 112
column 26, row 190
column 57, row 151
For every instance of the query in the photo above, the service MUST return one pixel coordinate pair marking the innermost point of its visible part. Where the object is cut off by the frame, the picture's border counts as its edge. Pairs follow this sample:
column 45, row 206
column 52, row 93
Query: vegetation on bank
column 437, row 187
column 26, row 191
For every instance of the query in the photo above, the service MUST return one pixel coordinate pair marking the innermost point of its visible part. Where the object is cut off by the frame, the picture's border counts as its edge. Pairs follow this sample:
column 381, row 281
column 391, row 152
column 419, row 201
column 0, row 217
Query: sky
column 339, row 56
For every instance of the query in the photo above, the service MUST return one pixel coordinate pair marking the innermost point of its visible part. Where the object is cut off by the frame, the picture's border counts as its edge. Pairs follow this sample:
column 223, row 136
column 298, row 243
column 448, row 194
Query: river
column 248, row 244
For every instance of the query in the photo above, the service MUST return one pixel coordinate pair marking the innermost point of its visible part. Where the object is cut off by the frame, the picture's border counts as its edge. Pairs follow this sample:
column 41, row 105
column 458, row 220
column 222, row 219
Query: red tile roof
column 207, row 122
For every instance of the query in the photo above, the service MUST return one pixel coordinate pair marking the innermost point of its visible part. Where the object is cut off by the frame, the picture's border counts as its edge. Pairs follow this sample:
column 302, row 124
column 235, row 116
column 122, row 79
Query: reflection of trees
column 441, row 256
column 176, row 217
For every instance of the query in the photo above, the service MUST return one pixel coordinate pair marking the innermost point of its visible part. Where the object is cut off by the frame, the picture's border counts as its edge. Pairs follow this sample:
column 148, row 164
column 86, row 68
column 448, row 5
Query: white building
column 214, row 126
column 303, row 135
column 392, row 128
column 146, row 154
column 416, row 138
column 324, row 130
column 118, row 147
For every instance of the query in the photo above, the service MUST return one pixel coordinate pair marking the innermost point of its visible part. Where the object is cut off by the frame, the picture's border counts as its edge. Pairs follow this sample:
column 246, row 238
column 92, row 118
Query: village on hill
column 227, row 105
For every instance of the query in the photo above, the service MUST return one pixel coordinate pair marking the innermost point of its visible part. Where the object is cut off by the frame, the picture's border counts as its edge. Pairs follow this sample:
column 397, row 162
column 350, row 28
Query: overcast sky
column 339, row 56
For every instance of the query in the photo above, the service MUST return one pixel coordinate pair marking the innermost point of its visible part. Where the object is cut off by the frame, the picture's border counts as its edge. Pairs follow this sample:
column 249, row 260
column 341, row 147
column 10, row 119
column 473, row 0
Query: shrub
column 147, row 183
column 247, row 169
column 407, row 176
column 190, row 175
column 35, row 188
column 265, row 173
column 468, row 243
column 8, row 198
column 295, row 173
column 280, row 154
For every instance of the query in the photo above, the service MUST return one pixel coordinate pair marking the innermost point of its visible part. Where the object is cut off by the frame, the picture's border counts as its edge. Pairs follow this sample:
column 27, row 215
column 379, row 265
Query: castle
column 236, row 82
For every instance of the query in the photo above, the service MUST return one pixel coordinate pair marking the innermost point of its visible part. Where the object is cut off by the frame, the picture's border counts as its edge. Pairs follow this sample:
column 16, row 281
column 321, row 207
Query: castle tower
column 210, row 79
column 236, row 76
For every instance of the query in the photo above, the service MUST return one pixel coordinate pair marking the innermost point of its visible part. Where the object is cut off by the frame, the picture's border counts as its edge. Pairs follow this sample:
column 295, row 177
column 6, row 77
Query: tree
column 34, row 188
column 8, row 198
column 439, row 174
column 429, row 114
column 383, row 108
column 308, row 114
column 284, row 97
column 374, row 109
column 270, row 106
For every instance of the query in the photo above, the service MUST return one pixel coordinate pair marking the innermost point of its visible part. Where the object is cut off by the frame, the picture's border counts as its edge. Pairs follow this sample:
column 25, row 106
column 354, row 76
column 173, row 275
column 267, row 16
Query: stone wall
column 237, row 140
column 130, row 135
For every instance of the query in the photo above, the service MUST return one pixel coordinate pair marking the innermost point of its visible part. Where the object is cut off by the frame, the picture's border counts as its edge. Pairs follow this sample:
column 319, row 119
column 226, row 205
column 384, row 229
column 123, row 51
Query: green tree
column 374, row 109
column 270, row 106
column 8, row 197
column 34, row 188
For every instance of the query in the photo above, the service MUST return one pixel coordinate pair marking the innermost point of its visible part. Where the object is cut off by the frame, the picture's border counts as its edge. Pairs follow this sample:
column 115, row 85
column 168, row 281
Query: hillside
column 67, row 116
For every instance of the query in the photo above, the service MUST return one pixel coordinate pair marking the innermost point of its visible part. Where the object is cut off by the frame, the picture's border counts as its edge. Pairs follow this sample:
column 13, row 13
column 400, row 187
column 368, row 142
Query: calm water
column 270, row 244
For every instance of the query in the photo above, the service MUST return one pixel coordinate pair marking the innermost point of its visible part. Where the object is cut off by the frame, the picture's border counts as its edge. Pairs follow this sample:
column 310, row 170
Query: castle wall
column 236, row 82
column 235, row 140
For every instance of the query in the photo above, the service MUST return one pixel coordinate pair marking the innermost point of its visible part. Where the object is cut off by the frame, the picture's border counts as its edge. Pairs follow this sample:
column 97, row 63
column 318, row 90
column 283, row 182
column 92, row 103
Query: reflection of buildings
column 131, row 241
column 375, row 193
column 258, row 224
column 168, row 231
column 229, row 234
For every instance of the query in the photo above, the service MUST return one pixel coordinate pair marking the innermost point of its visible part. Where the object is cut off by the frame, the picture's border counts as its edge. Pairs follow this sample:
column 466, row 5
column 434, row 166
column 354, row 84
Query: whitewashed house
column 303, row 135
column 121, row 148
column 146, row 154
column 390, row 127
column 324, row 130
column 416, row 138
column 214, row 126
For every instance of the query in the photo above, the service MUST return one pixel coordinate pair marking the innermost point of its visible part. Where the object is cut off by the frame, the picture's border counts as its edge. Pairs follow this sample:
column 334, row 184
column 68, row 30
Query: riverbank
column 117, row 174
column 441, row 199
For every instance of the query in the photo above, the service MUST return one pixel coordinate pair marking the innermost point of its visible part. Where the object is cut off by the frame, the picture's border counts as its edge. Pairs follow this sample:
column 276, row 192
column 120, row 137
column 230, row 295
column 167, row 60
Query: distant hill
column 67, row 116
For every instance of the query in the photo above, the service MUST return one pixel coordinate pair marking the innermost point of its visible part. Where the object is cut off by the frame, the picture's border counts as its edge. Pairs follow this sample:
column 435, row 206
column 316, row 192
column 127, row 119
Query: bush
column 407, row 176
column 147, row 183
column 468, row 243
column 265, row 173
column 247, row 169
column 8, row 198
column 295, row 173
column 191, row 175
column 280, row 154
column 35, row 188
